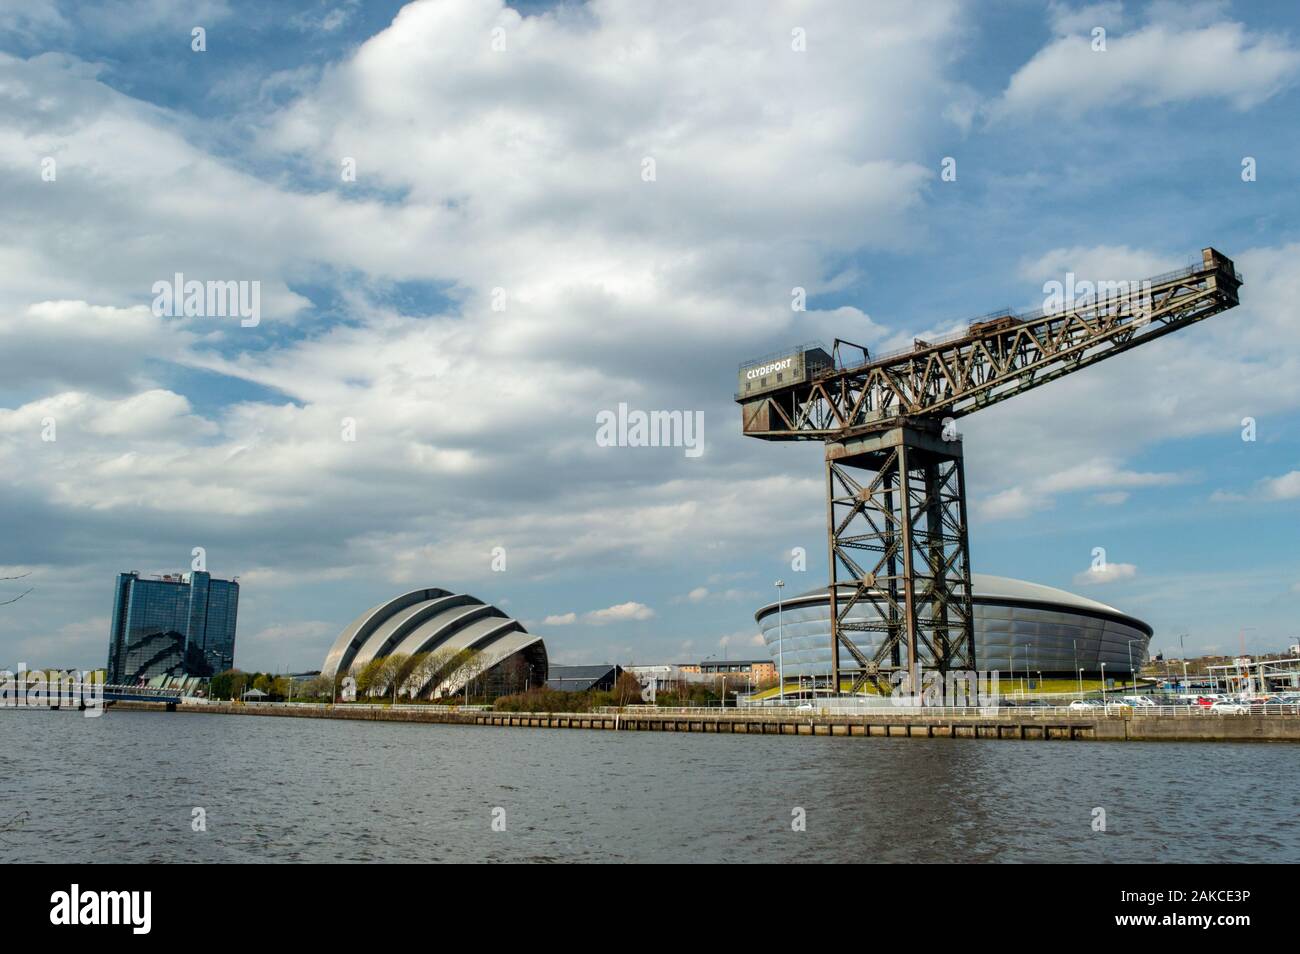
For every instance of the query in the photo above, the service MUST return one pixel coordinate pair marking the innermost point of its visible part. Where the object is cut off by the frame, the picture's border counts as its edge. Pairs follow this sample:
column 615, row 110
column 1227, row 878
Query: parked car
column 1260, row 701
column 1083, row 704
column 1224, row 707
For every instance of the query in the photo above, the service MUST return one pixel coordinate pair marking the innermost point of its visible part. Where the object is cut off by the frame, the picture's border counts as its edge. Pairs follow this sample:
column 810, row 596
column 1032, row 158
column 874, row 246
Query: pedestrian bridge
column 140, row 694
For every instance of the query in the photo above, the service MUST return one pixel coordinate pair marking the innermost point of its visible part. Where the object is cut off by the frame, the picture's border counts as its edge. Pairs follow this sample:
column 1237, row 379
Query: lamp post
column 1080, row 683
column 780, row 640
column 1182, row 651
column 1103, row 683
column 1132, row 673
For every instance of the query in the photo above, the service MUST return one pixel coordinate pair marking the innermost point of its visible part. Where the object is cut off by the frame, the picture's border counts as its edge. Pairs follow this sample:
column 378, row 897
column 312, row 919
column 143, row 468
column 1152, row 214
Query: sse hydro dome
column 435, row 620
column 1019, row 627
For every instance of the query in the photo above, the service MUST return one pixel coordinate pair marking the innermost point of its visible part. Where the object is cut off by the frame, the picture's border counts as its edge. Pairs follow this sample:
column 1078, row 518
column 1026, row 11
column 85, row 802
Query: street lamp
column 780, row 640
column 1132, row 674
column 720, row 676
column 1182, row 651
column 1080, row 683
column 1103, row 683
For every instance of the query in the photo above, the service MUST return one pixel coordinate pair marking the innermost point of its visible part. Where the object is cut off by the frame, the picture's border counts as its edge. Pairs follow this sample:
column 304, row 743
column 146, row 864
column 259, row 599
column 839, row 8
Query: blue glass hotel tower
column 173, row 625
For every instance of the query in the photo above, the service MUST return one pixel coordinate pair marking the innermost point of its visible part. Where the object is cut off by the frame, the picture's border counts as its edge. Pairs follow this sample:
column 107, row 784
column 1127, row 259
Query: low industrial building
column 584, row 678
column 758, row 670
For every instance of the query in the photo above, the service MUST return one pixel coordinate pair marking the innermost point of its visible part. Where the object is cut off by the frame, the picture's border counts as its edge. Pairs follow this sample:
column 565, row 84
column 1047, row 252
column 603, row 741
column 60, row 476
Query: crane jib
column 805, row 394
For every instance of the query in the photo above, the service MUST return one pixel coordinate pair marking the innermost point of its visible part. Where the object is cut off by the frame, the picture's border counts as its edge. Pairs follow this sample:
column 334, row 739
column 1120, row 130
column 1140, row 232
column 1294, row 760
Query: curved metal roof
column 354, row 635
column 424, row 620
column 987, row 588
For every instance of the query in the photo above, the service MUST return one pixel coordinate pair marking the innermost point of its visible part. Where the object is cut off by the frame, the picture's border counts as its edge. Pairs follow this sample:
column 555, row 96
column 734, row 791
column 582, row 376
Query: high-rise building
column 172, row 625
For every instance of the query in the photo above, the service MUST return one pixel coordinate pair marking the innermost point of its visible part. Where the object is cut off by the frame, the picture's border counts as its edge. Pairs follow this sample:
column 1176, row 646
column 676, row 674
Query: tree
column 222, row 685
column 465, row 667
column 627, row 689
column 394, row 672
column 369, row 677
column 420, row 673
column 437, row 668
column 406, row 680
column 317, row 687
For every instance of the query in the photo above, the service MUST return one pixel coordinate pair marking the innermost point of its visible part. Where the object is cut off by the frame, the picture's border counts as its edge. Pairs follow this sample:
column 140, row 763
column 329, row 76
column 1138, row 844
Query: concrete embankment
column 1006, row 724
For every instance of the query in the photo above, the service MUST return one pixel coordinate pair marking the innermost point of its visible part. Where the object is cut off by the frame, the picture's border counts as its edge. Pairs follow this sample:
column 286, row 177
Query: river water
column 125, row 787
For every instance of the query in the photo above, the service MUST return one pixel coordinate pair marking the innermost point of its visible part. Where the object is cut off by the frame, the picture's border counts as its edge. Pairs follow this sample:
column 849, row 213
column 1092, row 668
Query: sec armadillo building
column 1019, row 627
column 435, row 620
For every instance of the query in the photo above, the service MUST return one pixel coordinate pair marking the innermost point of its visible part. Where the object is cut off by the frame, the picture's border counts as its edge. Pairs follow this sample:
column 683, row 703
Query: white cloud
column 1009, row 504
column 561, row 619
column 1268, row 489
column 285, row 640
column 1038, row 493
column 1067, row 19
column 1022, row 453
column 476, row 170
column 518, row 170
column 1286, row 487
column 746, row 639
column 1096, row 263
column 619, row 613
column 1160, row 63
column 1105, row 573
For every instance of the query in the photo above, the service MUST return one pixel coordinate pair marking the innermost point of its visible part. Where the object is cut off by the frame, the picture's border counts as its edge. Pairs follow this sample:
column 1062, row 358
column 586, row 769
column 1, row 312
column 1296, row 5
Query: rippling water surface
column 123, row 788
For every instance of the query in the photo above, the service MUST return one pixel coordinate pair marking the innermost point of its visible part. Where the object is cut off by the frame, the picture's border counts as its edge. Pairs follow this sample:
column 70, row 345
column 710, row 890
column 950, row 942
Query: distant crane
column 895, row 487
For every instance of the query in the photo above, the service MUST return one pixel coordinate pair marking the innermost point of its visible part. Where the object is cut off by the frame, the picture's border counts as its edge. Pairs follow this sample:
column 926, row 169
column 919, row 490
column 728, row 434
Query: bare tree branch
column 19, row 596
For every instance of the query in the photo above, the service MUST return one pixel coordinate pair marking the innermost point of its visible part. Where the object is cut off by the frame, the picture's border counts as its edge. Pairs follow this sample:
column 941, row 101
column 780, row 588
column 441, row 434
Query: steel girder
column 896, row 513
column 992, row 360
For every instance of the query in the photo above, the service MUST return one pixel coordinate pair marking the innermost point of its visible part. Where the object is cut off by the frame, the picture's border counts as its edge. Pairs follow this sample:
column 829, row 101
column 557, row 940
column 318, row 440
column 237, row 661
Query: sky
column 475, row 227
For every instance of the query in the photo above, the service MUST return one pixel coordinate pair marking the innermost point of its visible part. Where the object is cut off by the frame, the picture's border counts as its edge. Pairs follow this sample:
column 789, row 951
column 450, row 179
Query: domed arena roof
column 429, row 620
column 1017, row 625
column 988, row 588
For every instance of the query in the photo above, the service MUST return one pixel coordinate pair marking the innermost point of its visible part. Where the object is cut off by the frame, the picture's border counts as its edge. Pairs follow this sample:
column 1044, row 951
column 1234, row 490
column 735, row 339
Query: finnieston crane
column 895, row 488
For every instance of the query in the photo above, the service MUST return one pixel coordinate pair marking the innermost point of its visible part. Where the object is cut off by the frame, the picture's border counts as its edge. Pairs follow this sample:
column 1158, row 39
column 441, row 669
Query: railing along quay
column 1114, row 722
